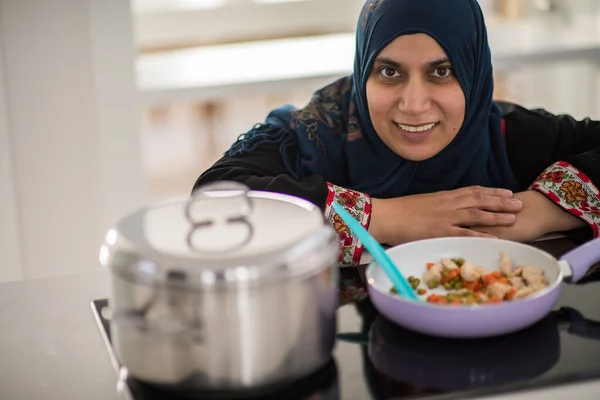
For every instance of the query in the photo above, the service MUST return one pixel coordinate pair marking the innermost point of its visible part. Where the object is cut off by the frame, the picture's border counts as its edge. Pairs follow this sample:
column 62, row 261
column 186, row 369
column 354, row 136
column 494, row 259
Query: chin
column 414, row 153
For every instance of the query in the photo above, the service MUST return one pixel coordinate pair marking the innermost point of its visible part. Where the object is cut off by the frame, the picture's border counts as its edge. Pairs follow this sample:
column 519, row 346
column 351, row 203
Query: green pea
column 458, row 285
column 432, row 284
column 447, row 285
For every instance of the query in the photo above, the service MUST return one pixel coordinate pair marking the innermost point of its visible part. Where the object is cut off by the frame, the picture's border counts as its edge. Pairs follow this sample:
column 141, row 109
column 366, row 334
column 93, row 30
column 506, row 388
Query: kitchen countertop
column 51, row 347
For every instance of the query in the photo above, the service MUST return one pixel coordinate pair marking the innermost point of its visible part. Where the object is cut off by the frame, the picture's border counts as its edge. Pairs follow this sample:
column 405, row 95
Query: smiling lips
column 417, row 133
column 417, row 128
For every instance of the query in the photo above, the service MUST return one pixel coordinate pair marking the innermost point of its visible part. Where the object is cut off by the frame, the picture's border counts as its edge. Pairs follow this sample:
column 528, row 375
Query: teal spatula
column 400, row 283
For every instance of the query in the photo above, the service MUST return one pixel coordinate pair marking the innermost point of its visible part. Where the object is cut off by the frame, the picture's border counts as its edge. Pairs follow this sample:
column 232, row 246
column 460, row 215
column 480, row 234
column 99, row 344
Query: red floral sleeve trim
column 571, row 189
column 359, row 206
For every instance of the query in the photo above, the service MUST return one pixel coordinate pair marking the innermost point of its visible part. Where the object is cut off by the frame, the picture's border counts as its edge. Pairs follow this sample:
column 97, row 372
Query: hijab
column 335, row 137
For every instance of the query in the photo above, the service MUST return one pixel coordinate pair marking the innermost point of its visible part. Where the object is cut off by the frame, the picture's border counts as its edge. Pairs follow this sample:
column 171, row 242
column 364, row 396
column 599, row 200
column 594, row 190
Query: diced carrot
column 493, row 300
column 421, row 292
column 492, row 278
column 436, row 299
column 488, row 278
column 430, row 265
column 511, row 294
column 497, row 274
column 453, row 274
column 432, row 298
column 456, row 302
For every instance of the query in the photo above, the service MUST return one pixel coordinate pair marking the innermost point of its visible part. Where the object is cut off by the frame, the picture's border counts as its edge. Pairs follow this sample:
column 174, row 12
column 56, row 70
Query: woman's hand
column 538, row 217
column 449, row 213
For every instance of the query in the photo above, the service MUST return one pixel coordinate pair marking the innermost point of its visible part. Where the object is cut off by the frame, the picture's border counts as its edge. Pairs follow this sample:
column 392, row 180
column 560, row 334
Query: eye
column 389, row 72
column 442, row 72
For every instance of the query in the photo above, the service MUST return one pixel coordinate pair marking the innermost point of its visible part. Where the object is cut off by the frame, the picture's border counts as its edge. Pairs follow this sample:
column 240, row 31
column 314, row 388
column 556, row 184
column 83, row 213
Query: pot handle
column 579, row 325
column 220, row 190
column 582, row 258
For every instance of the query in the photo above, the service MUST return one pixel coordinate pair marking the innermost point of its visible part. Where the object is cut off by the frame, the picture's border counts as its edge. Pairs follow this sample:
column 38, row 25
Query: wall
column 69, row 132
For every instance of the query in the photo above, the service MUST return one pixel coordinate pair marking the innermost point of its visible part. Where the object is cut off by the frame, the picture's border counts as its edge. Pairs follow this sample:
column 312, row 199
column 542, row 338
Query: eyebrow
column 396, row 64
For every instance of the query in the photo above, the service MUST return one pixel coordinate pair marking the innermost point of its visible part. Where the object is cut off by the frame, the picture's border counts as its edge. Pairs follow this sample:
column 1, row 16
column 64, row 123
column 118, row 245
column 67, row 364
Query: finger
column 480, row 191
column 489, row 203
column 465, row 232
column 475, row 216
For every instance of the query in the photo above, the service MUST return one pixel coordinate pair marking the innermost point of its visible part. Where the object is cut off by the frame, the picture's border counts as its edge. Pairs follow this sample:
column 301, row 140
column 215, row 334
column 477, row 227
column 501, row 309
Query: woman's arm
column 536, row 139
column 263, row 169
column 559, row 157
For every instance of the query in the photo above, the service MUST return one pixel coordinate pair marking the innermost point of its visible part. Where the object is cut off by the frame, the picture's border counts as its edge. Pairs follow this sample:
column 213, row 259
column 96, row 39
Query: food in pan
column 465, row 283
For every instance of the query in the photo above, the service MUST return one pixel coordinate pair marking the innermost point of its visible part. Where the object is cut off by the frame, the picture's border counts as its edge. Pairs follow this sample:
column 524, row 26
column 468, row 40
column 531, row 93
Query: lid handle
column 225, row 190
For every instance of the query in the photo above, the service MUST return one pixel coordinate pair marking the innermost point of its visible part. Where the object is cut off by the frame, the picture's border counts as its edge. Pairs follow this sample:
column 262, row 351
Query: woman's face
column 415, row 102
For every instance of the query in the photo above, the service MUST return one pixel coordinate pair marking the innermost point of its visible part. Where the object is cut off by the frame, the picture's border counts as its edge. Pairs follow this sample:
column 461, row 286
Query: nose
column 415, row 97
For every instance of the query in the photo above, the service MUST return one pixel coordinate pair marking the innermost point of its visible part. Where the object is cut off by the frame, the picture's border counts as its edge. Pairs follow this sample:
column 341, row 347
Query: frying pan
column 477, row 321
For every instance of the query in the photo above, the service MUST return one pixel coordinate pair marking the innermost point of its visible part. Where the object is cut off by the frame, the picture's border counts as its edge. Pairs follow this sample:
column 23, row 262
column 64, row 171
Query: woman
column 413, row 145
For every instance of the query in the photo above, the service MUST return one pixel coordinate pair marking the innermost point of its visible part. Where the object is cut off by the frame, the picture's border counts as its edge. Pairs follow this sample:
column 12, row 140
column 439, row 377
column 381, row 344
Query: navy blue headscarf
column 336, row 138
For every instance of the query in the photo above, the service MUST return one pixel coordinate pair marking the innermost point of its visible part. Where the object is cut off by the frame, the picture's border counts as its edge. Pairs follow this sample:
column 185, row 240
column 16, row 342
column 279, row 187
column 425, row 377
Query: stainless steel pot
column 229, row 290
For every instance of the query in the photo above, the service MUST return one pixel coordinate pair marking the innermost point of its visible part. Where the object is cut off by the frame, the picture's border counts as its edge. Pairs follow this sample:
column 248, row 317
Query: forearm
column 378, row 218
column 550, row 217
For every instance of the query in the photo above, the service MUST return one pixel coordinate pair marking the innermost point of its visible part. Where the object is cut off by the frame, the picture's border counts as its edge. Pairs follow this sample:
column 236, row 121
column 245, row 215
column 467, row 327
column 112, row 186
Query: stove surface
column 380, row 360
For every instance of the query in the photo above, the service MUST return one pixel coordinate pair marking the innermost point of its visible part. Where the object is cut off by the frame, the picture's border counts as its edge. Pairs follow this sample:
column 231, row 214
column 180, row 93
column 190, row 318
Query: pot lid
column 224, row 234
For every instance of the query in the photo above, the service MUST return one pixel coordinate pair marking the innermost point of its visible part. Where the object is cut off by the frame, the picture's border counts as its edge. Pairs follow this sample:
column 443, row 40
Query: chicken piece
column 482, row 271
column 469, row 272
column 535, row 279
column 437, row 267
column 539, row 286
column 524, row 292
column 505, row 264
column 516, row 282
column 482, row 297
column 497, row 290
column 433, row 275
column 449, row 265
column 528, row 271
column 518, row 271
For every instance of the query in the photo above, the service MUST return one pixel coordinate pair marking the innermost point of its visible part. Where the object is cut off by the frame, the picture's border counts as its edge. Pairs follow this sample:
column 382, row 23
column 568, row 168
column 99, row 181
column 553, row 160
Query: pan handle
column 578, row 324
column 582, row 258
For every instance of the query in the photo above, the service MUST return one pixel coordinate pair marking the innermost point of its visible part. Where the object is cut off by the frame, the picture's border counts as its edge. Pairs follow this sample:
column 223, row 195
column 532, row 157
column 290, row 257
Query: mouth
column 415, row 133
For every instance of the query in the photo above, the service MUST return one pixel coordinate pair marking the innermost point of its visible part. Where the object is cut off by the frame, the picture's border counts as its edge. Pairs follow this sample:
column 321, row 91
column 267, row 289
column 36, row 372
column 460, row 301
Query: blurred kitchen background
column 107, row 106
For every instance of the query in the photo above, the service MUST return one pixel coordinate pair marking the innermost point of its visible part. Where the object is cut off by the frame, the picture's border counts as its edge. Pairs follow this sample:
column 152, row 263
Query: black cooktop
column 375, row 359
column 380, row 360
